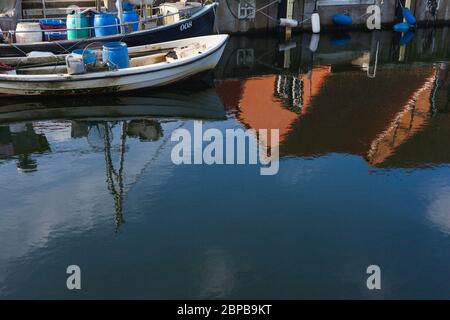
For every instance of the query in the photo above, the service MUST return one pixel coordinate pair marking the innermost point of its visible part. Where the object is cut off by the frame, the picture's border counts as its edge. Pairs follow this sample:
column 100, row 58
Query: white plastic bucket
column 138, row 2
column 28, row 37
column 75, row 64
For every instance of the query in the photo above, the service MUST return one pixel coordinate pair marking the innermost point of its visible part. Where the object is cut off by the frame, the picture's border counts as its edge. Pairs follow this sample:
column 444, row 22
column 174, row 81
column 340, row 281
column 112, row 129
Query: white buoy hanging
column 284, row 22
column 119, row 5
column 315, row 20
column 287, row 46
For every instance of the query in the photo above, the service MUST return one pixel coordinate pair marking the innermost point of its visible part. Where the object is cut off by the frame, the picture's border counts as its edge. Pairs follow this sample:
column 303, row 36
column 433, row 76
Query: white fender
column 315, row 22
column 314, row 43
column 284, row 22
column 287, row 46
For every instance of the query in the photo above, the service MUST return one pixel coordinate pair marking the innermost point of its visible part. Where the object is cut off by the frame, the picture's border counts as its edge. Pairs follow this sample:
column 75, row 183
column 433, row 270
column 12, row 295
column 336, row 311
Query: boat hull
column 115, row 81
column 199, row 24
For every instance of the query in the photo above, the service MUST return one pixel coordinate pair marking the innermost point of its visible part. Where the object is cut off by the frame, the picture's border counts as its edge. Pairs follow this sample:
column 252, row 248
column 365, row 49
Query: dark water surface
column 364, row 179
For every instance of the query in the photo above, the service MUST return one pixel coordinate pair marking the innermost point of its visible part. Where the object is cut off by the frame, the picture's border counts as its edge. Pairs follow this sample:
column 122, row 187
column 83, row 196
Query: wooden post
column 288, row 33
column 402, row 49
column 289, row 14
column 144, row 11
column 407, row 5
column 401, row 53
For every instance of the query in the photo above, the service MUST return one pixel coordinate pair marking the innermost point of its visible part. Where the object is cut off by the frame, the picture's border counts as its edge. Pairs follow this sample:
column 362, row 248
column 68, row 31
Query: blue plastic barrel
column 401, row 27
column 128, row 6
column 91, row 18
column 409, row 17
column 342, row 19
column 105, row 19
column 115, row 54
column 133, row 18
column 89, row 56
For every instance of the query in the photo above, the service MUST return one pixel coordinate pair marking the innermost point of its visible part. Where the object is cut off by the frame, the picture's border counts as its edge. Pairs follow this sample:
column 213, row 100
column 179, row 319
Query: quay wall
column 427, row 12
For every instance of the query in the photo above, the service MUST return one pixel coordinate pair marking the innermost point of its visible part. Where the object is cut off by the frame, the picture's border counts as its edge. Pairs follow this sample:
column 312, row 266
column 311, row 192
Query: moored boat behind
column 191, row 20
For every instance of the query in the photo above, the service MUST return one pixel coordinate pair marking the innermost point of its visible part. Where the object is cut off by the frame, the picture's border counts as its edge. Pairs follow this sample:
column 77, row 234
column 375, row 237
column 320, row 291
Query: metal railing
column 128, row 24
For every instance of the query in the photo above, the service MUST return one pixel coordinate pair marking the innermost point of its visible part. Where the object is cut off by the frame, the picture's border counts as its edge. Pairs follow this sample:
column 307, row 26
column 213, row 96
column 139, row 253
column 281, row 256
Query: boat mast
column 44, row 9
column 119, row 5
column 114, row 178
column 144, row 11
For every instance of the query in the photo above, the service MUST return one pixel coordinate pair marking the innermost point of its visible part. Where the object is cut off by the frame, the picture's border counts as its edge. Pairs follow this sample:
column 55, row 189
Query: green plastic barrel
column 76, row 21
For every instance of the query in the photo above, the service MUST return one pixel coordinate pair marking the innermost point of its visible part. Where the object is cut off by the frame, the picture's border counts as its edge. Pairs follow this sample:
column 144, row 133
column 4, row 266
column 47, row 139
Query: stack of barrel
column 79, row 26
column 103, row 23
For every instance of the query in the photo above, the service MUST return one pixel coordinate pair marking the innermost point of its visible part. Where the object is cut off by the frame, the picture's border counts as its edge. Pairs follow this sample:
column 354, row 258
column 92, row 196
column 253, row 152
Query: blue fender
column 406, row 38
column 342, row 19
column 402, row 27
column 409, row 17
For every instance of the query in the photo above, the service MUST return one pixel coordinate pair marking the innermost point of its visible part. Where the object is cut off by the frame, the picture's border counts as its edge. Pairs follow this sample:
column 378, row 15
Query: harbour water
column 364, row 179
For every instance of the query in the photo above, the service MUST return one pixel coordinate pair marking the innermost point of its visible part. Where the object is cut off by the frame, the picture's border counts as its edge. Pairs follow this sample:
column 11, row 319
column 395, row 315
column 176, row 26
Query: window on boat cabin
column 247, row 9
column 343, row 2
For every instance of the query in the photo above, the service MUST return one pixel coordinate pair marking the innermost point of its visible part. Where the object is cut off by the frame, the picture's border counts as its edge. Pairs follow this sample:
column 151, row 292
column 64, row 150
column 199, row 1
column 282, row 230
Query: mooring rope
column 264, row 7
column 215, row 19
column 18, row 49
column 256, row 10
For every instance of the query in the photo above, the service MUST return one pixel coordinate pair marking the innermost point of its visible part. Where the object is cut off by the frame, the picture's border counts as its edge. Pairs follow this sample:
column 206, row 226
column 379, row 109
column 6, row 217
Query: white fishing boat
column 160, row 64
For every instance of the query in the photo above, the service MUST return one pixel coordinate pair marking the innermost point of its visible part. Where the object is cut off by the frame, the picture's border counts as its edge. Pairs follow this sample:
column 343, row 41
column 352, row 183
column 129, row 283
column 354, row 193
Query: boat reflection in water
column 20, row 140
column 26, row 126
column 193, row 101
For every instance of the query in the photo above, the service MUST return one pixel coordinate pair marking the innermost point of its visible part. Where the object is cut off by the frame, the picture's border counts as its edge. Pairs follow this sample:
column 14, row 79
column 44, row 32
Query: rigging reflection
column 97, row 120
